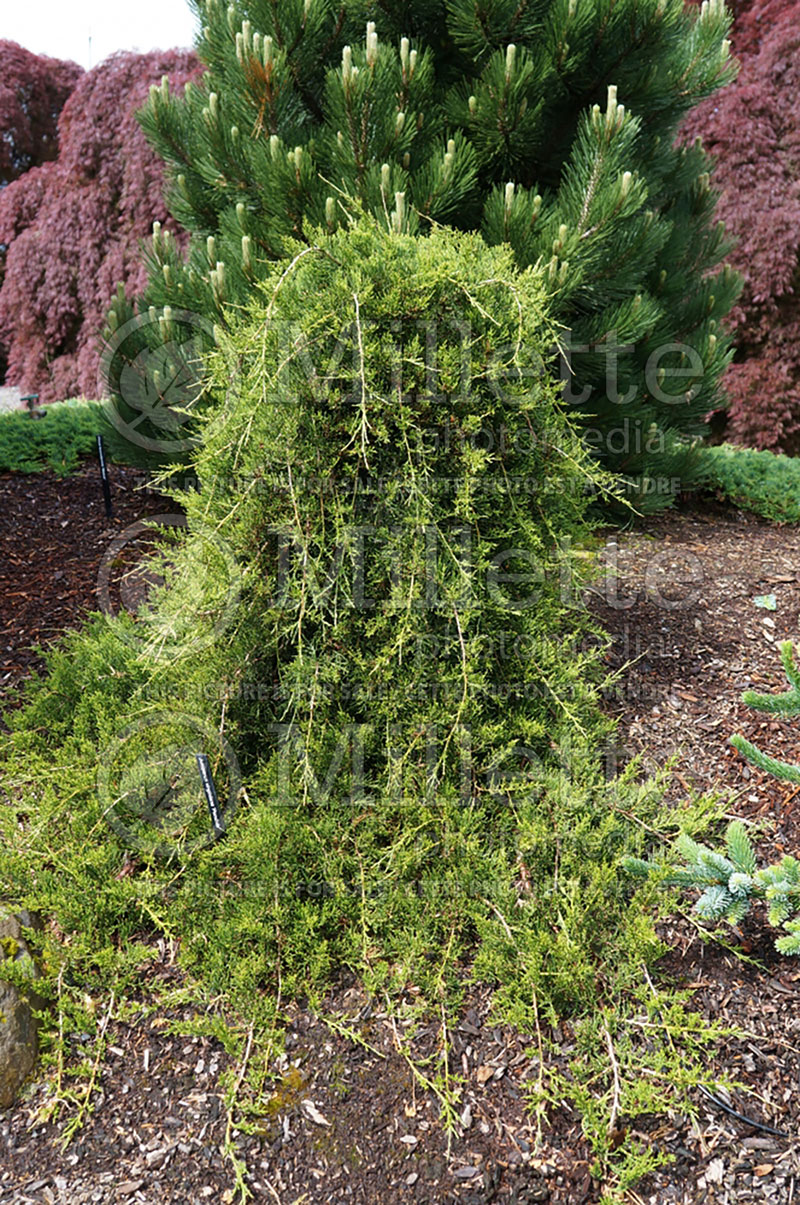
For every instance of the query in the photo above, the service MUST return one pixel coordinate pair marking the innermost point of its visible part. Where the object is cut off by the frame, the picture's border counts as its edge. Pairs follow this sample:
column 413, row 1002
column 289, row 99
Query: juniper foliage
column 421, row 764
column 372, row 625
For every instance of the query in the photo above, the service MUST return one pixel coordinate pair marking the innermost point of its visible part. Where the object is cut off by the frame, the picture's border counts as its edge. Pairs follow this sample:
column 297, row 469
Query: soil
column 684, row 601
column 54, row 534
column 348, row 1121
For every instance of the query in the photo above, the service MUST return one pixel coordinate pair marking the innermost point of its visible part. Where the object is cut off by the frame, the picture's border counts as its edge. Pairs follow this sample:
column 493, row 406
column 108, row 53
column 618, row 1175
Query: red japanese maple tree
column 756, row 20
column 752, row 129
column 33, row 89
column 73, row 226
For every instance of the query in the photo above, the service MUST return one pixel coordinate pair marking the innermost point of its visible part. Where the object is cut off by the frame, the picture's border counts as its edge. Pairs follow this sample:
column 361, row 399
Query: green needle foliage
column 372, row 626
column 402, row 678
column 786, row 705
column 548, row 126
column 730, row 882
column 61, row 439
column 763, row 482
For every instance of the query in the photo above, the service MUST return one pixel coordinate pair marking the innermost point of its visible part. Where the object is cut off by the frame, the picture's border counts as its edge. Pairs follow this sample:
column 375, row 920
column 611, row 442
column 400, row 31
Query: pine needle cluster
column 549, row 127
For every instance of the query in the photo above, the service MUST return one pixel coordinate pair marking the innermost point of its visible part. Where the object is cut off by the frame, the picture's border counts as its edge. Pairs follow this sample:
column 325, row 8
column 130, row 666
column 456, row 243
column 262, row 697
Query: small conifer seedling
column 729, row 883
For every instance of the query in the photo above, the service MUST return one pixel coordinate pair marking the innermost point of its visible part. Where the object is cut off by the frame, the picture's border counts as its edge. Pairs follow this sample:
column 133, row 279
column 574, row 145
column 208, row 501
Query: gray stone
column 10, row 398
column 19, row 1046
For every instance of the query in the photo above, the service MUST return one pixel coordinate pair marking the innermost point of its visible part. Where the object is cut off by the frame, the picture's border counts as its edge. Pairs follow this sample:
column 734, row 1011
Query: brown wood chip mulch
column 53, row 536
column 349, row 1123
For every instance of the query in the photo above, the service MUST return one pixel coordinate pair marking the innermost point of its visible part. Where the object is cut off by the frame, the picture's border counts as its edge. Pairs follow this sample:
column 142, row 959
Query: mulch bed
column 679, row 601
column 53, row 535
column 348, row 1122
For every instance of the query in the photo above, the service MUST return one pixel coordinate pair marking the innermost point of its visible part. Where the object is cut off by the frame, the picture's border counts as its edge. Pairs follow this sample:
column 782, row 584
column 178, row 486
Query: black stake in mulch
column 211, row 794
column 104, row 475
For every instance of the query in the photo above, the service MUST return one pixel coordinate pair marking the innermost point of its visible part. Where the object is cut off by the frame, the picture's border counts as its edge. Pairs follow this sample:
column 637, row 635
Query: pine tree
column 547, row 124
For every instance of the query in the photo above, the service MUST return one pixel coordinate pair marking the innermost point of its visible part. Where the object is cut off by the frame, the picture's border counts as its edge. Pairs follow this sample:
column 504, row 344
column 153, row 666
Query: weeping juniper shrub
column 372, row 625
column 382, row 563
column 409, row 678
column 357, row 472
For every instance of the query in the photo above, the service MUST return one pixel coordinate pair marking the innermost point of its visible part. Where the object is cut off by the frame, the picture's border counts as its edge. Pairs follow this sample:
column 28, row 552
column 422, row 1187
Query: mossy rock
column 19, row 1045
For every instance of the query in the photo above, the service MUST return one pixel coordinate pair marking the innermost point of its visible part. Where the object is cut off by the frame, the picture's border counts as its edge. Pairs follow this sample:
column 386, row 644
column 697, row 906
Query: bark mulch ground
column 679, row 600
column 54, row 534
column 348, row 1120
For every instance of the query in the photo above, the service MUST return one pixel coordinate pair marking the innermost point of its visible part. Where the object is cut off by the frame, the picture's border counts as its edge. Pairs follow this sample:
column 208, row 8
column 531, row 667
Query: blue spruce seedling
column 729, row 883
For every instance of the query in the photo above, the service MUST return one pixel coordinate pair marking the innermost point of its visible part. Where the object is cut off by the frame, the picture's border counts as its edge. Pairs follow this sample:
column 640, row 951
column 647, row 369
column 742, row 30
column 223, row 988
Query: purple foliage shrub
column 33, row 90
column 74, row 226
column 752, row 129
